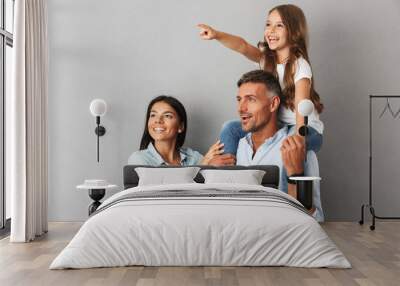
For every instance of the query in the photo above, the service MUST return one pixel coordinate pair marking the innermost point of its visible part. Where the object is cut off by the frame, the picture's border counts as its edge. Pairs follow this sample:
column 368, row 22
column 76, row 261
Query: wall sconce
column 98, row 108
column 305, row 184
column 305, row 108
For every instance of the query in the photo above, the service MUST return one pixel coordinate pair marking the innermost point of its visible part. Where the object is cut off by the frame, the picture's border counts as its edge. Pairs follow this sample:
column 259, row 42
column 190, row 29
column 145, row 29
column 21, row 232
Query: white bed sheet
column 200, row 231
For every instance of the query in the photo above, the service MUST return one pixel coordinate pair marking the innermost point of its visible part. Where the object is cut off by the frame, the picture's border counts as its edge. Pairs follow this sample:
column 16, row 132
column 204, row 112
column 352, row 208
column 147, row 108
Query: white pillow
column 163, row 176
column 249, row 177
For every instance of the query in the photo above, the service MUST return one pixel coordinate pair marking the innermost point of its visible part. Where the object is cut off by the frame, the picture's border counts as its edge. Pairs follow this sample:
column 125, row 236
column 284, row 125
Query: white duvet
column 185, row 231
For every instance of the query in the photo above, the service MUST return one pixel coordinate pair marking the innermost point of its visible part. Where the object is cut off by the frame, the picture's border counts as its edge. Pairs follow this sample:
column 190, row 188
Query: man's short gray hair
column 266, row 78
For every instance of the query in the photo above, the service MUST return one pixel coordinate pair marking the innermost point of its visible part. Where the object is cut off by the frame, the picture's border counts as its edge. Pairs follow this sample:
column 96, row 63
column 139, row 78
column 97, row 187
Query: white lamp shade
column 305, row 107
column 98, row 107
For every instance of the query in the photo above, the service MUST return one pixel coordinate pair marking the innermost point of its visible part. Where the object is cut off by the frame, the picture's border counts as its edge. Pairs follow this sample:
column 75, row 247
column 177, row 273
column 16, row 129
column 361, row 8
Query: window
column 9, row 18
column 6, row 44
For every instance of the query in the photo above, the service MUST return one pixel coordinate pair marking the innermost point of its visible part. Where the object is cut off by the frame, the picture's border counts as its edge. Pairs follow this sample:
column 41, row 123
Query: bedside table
column 96, row 192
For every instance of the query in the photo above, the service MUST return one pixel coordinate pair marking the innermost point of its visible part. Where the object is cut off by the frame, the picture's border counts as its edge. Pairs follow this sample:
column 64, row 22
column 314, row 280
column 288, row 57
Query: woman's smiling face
column 275, row 32
column 164, row 123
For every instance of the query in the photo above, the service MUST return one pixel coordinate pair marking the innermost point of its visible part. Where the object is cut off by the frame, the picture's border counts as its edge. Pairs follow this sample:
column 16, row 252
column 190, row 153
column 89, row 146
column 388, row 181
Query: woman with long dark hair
column 164, row 135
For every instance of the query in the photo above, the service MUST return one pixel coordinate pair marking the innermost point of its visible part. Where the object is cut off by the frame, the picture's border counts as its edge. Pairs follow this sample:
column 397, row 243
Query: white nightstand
column 97, row 190
column 304, row 187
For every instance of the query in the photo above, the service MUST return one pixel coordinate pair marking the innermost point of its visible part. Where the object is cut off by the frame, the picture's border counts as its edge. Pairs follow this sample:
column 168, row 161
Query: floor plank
column 375, row 257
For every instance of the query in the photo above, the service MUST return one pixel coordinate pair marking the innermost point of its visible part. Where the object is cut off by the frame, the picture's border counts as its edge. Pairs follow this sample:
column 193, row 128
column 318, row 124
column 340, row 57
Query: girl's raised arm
column 232, row 42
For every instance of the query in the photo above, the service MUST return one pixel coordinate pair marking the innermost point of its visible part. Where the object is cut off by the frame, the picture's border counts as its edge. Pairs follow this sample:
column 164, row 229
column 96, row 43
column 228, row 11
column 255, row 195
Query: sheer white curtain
column 26, row 122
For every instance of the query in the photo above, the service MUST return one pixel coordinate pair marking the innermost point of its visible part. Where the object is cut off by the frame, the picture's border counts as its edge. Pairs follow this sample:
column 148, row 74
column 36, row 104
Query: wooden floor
column 375, row 256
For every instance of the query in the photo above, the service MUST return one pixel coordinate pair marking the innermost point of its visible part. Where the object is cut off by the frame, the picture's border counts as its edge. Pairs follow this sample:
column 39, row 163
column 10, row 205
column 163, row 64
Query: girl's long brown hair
column 295, row 22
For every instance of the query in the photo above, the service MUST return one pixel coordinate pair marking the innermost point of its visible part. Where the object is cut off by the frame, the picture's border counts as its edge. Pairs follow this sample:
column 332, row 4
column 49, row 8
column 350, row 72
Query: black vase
column 96, row 195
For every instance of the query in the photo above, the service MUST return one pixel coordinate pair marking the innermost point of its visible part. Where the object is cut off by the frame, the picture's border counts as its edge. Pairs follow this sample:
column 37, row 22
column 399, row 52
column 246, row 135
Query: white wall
column 127, row 52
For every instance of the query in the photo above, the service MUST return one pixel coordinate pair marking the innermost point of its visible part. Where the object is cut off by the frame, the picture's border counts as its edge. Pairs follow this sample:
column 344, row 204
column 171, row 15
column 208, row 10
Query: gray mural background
column 127, row 52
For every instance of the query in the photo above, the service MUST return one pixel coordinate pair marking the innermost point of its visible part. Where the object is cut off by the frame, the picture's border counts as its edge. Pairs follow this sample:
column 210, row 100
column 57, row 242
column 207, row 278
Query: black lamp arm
column 100, row 131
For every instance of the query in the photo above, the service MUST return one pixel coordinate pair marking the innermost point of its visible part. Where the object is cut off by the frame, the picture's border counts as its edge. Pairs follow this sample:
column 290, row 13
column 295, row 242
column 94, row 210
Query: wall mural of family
column 266, row 132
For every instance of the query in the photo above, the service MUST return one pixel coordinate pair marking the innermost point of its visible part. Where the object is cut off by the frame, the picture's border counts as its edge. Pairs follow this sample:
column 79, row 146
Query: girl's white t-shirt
column 286, row 115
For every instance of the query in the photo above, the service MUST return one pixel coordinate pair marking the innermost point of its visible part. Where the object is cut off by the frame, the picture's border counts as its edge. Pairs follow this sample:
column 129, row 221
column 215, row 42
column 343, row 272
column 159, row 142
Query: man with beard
column 267, row 143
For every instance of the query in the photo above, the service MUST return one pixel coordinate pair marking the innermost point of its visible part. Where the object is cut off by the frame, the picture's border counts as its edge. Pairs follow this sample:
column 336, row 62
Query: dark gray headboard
column 270, row 179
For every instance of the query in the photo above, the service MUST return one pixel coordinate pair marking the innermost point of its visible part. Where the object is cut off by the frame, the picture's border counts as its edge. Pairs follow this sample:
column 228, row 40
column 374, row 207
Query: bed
column 201, row 224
